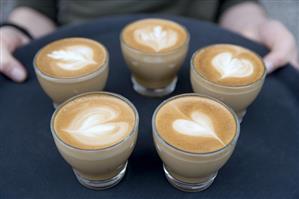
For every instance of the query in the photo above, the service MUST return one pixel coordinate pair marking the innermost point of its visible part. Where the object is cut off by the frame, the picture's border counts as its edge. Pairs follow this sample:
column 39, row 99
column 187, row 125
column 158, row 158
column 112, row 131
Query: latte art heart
column 73, row 57
column 95, row 126
column 228, row 66
column 199, row 125
column 156, row 37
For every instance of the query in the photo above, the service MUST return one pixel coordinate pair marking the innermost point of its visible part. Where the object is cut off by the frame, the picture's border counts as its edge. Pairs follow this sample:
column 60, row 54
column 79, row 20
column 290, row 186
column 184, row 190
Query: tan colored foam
column 50, row 66
column 203, row 64
column 167, row 25
column 222, row 120
column 77, row 111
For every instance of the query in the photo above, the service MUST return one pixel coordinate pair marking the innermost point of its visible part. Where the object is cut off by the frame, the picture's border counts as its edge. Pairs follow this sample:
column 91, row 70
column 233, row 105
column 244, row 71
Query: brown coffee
column 94, row 122
column 96, row 133
column 73, row 57
column 154, row 35
column 230, row 73
column 195, row 124
column 71, row 66
column 154, row 50
column 229, row 65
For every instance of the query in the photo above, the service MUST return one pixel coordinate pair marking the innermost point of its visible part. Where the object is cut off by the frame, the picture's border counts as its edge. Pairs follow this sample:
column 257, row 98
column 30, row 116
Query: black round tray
column 265, row 163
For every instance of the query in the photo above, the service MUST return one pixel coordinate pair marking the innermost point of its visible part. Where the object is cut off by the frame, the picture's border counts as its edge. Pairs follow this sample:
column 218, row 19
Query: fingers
column 295, row 61
column 280, row 55
column 275, row 59
column 11, row 67
column 281, row 43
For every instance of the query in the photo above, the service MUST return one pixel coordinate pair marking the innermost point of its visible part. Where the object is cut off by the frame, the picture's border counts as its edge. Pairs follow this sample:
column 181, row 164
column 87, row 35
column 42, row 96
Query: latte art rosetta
column 199, row 125
column 97, row 126
column 228, row 66
column 156, row 37
column 73, row 57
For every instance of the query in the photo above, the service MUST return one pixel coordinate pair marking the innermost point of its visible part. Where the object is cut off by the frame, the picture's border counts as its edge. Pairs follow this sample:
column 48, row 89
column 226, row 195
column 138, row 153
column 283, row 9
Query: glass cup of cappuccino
column 154, row 50
column 96, row 133
column 230, row 73
column 71, row 66
column 194, row 136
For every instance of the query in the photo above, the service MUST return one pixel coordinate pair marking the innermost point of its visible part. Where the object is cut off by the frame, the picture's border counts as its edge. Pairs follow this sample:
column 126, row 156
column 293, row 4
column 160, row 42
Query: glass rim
column 132, row 132
column 101, row 68
column 155, row 53
column 232, row 141
column 227, row 86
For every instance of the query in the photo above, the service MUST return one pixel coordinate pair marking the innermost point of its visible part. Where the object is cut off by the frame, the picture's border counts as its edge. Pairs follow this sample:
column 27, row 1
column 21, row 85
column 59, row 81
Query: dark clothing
column 68, row 11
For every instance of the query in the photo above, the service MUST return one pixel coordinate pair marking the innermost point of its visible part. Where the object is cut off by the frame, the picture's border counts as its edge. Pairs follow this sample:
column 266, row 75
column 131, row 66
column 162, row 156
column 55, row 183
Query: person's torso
column 70, row 11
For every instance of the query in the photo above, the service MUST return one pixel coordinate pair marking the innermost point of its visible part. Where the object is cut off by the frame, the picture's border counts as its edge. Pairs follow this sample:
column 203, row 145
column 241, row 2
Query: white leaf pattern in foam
column 73, row 57
column 228, row 66
column 94, row 126
column 155, row 37
column 199, row 125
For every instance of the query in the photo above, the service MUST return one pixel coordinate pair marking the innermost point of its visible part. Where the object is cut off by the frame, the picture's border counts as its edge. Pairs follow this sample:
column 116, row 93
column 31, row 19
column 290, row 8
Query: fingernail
column 269, row 66
column 18, row 74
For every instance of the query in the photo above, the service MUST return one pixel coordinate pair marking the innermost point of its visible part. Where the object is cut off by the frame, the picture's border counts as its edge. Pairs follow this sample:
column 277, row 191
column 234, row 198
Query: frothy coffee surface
column 229, row 65
column 94, row 121
column 154, row 35
column 195, row 124
column 72, row 57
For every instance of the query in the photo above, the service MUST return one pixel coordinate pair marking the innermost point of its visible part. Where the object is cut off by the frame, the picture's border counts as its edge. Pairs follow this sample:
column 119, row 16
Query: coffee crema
column 228, row 65
column 195, row 124
column 154, row 35
column 71, row 57
column 94, row 121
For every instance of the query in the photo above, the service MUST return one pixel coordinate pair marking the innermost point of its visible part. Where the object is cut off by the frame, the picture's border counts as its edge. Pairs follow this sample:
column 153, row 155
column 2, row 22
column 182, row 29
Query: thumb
column 12, row 68
column 274, row 60
column 295, row 61
column 281, row 43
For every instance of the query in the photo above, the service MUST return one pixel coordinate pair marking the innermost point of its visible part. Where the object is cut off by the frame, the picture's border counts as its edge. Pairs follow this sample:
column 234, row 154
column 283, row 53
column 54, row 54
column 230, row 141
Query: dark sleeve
column 46, row 7
column 226, row 4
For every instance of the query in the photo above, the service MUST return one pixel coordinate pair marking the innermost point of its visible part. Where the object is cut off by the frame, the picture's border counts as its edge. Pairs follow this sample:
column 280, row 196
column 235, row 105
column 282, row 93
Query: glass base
column 241, row 116
column 154, row 92
column 55, row 105
column 101, row 184
column 186, row 186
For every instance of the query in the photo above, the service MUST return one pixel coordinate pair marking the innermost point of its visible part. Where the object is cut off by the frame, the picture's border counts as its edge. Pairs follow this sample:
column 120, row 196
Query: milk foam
column 228, row 66
column 73, row 57
column 156, row 37
column 95, row 126
column 199, row 125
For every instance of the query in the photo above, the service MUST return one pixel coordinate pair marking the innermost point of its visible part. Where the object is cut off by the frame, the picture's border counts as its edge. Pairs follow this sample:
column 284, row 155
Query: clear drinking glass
column 237, row 97
column 154, row 74
column 98, row 168
column 190, row 171
column 60, row 89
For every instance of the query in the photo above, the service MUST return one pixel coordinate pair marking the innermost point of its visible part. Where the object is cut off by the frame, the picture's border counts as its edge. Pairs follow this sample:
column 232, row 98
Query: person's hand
column 11, row 39
column 279, row 40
